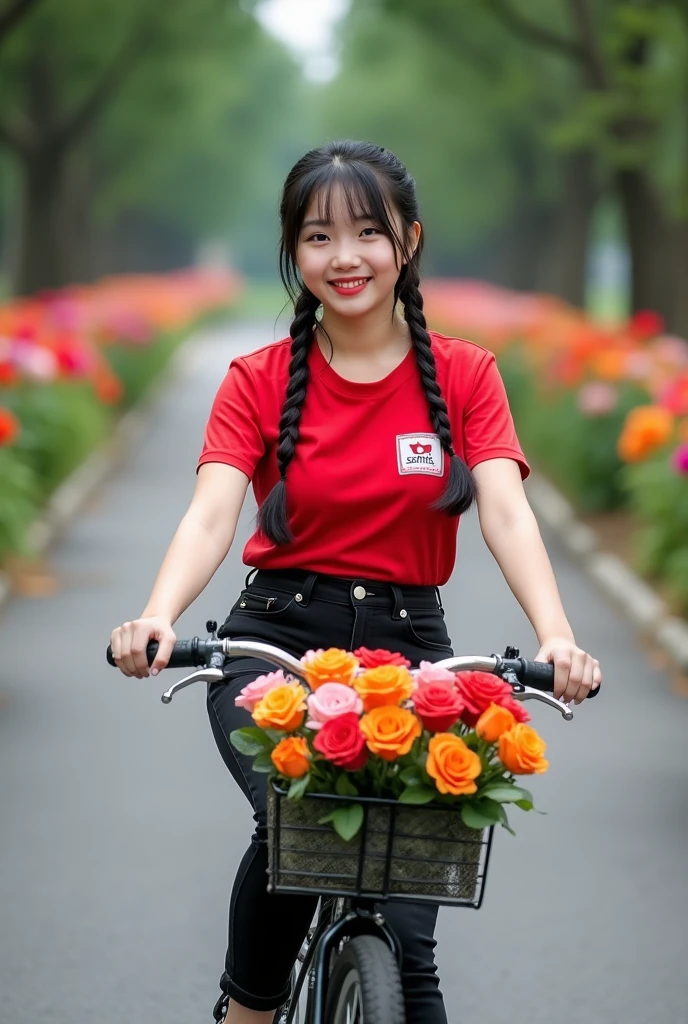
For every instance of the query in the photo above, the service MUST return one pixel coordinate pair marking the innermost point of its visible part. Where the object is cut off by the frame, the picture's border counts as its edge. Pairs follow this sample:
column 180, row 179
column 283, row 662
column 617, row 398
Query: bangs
column 365, row 197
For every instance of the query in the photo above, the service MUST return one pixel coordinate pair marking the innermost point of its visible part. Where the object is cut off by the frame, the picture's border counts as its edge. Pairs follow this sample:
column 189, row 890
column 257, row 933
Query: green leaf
column 250, row 740
column 347, row 821
column 275, row 735
column 473, row 817
column 417, row 795
column 344, row 786
column 505, row 821
column 410, row 776
column 298, row 787
column 504, row 793
column 263, row 762
column 326, row 819
column 525, row 805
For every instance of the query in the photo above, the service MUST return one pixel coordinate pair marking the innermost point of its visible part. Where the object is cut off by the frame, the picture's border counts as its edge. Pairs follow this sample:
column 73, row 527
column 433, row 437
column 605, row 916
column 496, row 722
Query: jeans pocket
column 253, row 605
column 428, row 629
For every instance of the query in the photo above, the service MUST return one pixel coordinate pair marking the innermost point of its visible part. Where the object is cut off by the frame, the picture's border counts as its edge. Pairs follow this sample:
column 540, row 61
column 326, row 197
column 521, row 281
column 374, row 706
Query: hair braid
column 460, row 491
column 273, row 518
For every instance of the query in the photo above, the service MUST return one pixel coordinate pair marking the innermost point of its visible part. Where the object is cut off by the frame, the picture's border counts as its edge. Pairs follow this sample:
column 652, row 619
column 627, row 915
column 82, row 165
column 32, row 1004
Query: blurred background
column 549, row 142
column 142, row 151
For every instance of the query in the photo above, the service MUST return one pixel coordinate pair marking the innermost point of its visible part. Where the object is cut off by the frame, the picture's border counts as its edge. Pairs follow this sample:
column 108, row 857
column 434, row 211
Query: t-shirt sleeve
column 489, row 431
column 232, row 433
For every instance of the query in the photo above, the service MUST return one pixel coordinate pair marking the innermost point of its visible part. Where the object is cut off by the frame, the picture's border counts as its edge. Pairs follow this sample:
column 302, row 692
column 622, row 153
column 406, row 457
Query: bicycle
column 349, row 962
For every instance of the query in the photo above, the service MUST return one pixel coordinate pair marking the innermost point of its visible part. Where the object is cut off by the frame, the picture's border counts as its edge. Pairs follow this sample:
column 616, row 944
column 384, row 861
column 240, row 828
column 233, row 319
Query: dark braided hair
column 375, row 184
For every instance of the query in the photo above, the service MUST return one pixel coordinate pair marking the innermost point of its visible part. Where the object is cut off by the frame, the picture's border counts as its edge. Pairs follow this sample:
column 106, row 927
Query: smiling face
column 345, row 258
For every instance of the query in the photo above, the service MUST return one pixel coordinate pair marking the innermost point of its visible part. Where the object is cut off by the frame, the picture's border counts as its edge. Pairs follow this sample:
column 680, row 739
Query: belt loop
column 439, row 599
column 306, row 589
column 398, row 601
column 248, row 581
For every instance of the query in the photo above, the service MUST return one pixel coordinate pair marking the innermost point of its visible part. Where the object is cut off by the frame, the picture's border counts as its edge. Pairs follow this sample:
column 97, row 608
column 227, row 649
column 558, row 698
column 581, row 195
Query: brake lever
column 521, row 693
column 203, row 675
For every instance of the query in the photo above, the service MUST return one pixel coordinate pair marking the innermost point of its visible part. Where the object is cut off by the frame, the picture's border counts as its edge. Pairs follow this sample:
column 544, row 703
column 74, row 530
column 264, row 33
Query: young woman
column 366, row 437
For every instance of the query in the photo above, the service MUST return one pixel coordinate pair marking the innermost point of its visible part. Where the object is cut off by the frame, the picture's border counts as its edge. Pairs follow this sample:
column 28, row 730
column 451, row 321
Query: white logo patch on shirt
column 420, row 453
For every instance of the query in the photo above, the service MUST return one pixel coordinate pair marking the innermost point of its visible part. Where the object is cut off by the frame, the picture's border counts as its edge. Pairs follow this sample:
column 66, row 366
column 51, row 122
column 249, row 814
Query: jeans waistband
column 345, row 590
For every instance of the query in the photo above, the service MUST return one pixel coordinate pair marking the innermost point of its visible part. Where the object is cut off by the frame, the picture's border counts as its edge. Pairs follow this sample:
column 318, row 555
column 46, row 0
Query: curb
column 625, row 588
column 73, row 493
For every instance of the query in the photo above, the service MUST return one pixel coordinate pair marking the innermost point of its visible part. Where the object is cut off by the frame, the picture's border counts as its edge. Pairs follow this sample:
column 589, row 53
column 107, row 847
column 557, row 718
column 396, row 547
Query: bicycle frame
column 330, row 930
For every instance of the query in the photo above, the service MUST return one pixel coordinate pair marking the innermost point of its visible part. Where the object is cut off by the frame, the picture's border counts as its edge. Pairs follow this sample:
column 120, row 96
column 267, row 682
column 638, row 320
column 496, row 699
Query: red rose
column 516, row 708
column 438, row 705
column 341, row 741
column 479, row 690
column 371, row 659
column 645, row 324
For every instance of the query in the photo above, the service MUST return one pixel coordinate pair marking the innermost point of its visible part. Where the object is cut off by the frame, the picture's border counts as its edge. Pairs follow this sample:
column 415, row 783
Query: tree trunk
column 562, row 269
column 41, row 263
column 647, row 235
column 678, row 324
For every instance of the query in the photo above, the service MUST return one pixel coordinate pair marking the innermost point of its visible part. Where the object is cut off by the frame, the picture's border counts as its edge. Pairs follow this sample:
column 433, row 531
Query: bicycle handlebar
column 529, row 679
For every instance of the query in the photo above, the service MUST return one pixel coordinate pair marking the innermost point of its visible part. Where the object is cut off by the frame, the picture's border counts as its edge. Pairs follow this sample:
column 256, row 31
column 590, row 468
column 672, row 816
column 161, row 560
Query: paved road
column 120, row 830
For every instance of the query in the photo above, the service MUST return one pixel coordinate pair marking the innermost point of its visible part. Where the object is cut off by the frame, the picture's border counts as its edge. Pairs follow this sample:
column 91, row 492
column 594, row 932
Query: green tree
column 468, row 120
column 62, row 72
column 627, row 113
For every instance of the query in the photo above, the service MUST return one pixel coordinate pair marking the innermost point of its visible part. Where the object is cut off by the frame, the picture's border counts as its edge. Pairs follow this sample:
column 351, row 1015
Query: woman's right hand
column 130, row 640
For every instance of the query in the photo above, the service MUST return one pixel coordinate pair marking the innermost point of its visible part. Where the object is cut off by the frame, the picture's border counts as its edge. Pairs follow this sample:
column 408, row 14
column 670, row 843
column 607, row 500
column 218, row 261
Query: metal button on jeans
column 359, row 593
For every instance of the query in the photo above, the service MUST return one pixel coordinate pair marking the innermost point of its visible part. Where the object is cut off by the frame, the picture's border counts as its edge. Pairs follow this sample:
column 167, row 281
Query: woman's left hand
column 575, row 672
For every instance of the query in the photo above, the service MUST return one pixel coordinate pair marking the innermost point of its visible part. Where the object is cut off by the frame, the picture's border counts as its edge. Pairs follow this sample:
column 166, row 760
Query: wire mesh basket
column 422, row 853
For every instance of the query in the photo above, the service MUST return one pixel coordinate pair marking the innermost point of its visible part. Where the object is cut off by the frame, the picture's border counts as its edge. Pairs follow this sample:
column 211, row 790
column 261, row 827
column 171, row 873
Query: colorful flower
column 341, row 741
column 521, row 751
column 390, row 731
column 291, row 757
column 452, row 765
column 332, row 700
column 647, row 428
column 9, row 427
column 438, row 705
column 256, row 690
column 281, row 708
column 330, row 666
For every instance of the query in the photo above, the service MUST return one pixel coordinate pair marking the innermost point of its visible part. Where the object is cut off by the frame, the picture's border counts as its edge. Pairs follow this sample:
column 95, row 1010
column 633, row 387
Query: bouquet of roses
column 367, row 726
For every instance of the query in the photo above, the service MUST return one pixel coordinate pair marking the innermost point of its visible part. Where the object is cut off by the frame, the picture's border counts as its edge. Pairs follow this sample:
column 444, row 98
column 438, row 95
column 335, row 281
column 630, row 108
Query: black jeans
column 300, row 611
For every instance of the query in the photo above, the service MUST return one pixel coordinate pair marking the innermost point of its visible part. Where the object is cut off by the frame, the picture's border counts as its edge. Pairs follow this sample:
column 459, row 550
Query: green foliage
column 61, row 423
column 577, row 452
column 658, row 496
column 137, row 366
column 19, row 497
column 471, row 134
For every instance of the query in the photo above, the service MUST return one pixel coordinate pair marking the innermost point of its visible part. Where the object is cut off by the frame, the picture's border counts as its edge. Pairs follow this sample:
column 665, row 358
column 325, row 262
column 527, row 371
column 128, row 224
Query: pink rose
column 331, row 700
column 680, row 459
column 255, row 691
column 597, row 398
column 429, row 673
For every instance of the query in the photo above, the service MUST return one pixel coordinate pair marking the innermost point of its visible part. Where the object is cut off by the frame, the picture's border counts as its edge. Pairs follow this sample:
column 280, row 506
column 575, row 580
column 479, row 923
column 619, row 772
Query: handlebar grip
column 540, row 675
column 185, row 654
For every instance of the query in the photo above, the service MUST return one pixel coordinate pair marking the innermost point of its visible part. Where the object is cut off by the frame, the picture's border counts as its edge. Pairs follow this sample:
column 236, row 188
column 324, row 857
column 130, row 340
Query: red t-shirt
column 368, row 464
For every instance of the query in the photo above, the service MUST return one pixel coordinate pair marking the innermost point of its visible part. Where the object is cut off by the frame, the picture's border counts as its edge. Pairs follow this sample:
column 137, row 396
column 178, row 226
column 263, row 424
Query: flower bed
column 602, row 410
column 71, row 361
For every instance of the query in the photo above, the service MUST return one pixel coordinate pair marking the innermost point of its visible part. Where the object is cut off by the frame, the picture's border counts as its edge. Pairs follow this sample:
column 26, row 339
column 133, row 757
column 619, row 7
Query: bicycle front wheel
column 365, row 987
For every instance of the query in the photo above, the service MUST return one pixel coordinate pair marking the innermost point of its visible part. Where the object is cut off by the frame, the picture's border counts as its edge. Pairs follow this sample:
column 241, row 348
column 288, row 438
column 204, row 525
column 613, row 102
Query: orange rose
column 452, row 765
column 521, row 750
column 331, row 666
column 390, row 731
column 493, row 722
column 384, row 686
column 646, row 429
column 281, row 708
column 291, row 757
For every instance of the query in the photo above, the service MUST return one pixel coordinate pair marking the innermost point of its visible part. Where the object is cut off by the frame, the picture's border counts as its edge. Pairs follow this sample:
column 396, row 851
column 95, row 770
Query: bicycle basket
column 421, row 853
